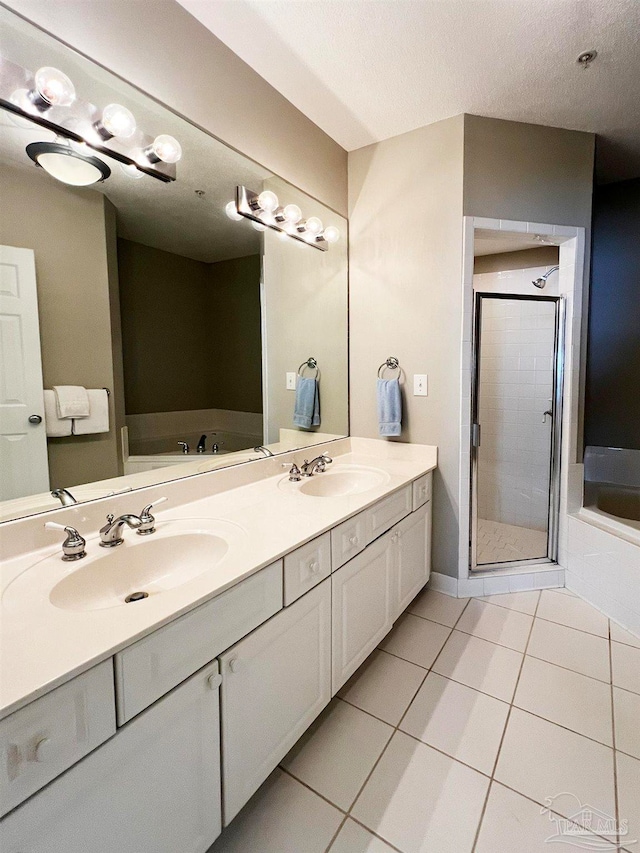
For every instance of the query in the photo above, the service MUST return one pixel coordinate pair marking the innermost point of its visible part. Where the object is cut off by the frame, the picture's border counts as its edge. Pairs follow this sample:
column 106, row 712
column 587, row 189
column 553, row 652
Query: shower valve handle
column 544, row 415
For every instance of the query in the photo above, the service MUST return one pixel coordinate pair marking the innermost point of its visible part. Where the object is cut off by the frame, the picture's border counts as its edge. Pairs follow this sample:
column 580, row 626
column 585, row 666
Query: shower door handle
column 475, row 435
column 544, row 415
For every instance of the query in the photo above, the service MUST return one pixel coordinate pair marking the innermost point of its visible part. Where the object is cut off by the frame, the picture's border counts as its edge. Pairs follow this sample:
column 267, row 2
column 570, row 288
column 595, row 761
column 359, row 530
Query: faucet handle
column 184, row 445
column 148, row 521
column 73, row 547
column 294, row 474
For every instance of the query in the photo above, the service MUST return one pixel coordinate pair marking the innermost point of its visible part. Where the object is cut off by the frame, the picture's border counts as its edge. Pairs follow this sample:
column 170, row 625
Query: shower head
column 540, row 282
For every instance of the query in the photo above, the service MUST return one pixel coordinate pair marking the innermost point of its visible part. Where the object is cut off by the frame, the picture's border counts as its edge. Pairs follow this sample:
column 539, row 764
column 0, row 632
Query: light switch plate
column 420, row 388
column 291, row 381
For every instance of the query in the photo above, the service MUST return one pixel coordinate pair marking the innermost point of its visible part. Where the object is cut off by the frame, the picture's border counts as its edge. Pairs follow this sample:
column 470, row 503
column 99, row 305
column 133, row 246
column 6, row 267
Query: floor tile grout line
column 545, row 806
column 573, row 628
column 396, row 728
column 504, row 731
column 613, row 734
column 568, row 669
column 562, row 726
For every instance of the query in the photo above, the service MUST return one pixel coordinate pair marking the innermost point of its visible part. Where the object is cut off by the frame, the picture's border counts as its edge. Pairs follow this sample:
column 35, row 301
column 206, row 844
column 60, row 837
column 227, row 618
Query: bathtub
column 149, row 454
column 612, row 491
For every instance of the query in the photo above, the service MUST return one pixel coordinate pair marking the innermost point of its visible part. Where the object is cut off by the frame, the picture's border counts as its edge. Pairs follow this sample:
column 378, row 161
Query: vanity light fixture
column 65, row 164
column 264, row 211
column 48, row 98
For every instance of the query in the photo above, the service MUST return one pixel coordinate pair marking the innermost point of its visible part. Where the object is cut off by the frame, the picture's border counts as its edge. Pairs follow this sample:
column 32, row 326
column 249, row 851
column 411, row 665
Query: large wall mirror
column 188, row 328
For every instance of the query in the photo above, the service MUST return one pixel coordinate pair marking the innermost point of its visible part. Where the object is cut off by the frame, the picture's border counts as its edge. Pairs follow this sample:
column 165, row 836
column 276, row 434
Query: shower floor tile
column 501, row 543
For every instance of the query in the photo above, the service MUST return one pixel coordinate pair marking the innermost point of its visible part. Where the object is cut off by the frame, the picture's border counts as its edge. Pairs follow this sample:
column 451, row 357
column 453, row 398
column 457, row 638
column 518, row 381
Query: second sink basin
column 342, row 481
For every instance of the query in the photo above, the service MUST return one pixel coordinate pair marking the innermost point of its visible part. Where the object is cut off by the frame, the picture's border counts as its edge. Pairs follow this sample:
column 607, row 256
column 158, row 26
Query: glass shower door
column 516, row 418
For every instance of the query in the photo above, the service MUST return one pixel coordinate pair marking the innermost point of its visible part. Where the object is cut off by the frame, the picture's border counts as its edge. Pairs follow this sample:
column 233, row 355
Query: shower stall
column 516, row 421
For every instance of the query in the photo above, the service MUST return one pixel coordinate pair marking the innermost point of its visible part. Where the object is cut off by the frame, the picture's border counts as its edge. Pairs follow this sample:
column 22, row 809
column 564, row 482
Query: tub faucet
column 64, row 496
column 202, row 444
column 261, row 449
column 111, row 533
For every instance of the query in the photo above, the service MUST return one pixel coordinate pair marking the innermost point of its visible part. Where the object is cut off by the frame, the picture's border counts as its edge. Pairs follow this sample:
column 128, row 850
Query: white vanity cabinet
column 363, row 608
column 153, row 788
column 371, row 591
column 412, row 540
column 275, row 682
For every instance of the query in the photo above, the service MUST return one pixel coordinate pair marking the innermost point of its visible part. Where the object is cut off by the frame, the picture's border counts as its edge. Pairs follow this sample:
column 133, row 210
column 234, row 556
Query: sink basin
column 339, row 482
column 178, row 552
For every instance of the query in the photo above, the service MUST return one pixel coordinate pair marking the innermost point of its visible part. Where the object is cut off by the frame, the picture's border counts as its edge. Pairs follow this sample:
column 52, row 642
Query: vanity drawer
column 154, row 665
column 306, row 566
column 387, row 512
column 348, row 539
column 422, row 490
column 47, row 736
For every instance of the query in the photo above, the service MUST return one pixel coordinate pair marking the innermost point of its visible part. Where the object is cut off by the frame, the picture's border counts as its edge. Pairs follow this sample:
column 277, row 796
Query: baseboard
column 497, row 584
column 606, row 604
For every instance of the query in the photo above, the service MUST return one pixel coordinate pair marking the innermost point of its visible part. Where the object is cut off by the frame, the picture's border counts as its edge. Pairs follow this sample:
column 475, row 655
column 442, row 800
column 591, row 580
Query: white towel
column 56, row 427
column 72, row 401
column 98, row 420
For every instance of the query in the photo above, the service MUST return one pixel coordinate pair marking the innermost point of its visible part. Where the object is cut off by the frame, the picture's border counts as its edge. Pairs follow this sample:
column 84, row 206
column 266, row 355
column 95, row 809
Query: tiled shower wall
column 516, row 387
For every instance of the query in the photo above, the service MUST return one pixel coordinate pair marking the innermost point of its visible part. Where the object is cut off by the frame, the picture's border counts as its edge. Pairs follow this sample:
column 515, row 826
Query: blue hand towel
column 306, row 412
column 389, row 407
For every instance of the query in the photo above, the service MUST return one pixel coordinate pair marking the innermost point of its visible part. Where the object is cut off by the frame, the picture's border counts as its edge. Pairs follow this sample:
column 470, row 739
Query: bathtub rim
column 609, row 524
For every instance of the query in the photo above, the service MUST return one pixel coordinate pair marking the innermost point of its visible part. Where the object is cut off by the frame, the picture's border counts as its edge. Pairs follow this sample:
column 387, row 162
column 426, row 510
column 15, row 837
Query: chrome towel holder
column 310, row 363
column 392, row 363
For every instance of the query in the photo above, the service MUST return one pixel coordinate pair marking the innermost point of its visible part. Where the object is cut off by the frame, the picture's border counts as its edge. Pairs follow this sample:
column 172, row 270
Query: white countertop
column 42, row 646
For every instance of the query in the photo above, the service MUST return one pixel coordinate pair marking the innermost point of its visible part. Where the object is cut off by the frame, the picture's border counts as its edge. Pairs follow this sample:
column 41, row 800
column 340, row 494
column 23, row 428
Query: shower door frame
column 556, row 432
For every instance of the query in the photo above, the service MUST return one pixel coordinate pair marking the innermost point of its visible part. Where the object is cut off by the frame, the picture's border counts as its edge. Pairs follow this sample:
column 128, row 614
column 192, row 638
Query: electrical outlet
column 291, row 382
column 420, row 385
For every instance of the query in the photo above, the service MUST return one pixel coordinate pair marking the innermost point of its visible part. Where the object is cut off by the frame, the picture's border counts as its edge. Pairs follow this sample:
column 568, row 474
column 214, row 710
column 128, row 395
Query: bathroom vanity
column 153, row 740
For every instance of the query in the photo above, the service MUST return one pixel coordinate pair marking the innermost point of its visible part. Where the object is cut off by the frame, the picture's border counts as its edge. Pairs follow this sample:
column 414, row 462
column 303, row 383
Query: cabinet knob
column 43, row 750
column 235, row 665
column 214, row 681
column 35, row 419
column 314, row 566
column 353, row 540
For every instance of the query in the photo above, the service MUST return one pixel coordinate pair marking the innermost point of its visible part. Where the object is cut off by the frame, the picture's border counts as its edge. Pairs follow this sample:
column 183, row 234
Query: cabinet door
column 275, row 682
column 412, row 540
column 362, row 606
column 153, row 788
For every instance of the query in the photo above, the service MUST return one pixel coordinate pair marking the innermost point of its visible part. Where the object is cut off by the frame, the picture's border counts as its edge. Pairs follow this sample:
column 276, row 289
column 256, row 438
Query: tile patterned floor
column 499, row 543
column 472, row 717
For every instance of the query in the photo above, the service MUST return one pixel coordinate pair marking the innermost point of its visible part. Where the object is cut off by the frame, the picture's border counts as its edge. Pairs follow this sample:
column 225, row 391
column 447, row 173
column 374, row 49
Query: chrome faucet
column 64, row 496
column 202, row 444
column 111, row 533
column 316, row 466
column 73, row 547
column 261, row 449
column 185, row 447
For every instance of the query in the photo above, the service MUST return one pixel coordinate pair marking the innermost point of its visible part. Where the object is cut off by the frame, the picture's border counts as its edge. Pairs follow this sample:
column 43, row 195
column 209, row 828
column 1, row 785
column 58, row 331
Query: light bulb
column 165, row 148
column 130, row 171
column 116, row 121
column 331, row 234
column 313, row 225
column 282, row 235
column 232, row 212
column 52, row 89
column 292, row 213
column 259, row 226
column 268, row 201
column 24, row 103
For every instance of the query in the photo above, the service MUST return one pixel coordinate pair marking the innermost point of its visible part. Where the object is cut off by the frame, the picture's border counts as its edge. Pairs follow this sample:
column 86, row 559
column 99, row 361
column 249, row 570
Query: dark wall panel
column 612, row 402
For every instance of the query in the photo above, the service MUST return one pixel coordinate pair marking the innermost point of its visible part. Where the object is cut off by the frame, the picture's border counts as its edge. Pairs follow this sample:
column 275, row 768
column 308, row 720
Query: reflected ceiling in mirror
column 191, row 320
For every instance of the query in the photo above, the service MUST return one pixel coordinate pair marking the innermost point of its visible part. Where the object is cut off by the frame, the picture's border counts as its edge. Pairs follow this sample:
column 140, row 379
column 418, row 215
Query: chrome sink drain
column 136, row 596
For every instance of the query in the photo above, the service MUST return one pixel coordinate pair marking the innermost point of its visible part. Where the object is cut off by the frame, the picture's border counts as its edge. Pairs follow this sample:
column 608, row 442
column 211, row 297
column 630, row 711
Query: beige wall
column 527, row 172
column 540, row 256
column 405, row 203
column 407, row 197
column 67, row 230
column 305, row 298
column 191, row 331
column 158, row 47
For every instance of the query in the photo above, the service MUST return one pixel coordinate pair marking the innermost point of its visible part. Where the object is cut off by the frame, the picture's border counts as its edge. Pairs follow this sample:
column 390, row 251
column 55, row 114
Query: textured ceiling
column 366, row 70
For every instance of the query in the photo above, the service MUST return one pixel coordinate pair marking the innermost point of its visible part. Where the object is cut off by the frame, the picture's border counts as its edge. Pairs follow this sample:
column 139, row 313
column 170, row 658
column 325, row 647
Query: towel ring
column 311, row 363
column 392, row 363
